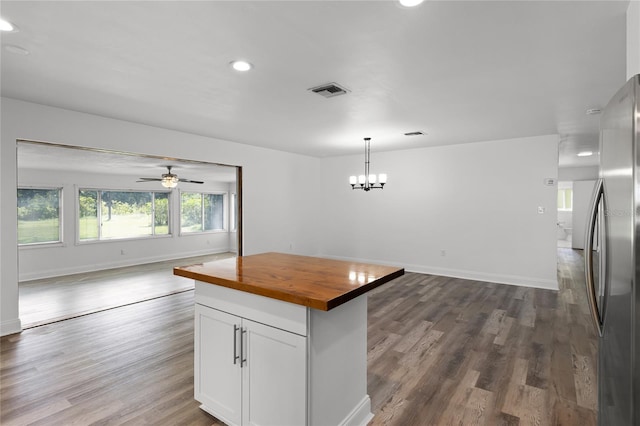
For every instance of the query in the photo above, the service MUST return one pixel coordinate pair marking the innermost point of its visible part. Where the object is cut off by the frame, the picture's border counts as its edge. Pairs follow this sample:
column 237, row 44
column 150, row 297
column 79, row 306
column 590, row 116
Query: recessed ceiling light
column 410, row 3
column 585, row 154
column 7, row 26
column 16, row 49
column 241, row 65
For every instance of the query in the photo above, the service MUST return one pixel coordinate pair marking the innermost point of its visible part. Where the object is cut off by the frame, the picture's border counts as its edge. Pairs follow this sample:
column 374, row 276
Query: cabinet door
column 217, row 378
column 274, row 377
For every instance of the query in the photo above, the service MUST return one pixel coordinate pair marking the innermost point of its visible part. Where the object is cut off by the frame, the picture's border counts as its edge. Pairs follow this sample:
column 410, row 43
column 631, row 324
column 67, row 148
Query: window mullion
column 153, row 213
column 202, row 221
column 99, row 211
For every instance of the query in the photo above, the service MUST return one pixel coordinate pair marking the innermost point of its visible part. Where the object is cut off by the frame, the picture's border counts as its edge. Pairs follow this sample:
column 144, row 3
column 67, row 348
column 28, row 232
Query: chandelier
column 367, row 181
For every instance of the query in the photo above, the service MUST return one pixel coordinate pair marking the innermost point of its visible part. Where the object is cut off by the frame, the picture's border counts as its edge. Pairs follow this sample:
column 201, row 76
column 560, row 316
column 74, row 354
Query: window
column 106, row 215
column 39, row 216
column 201, row 212
column 565, row 199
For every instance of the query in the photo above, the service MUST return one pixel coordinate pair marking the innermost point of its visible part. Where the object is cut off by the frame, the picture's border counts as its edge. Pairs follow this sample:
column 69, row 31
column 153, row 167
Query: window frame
column 99, row 239
column 233, row 212
column 60, row 241
column 225, row 214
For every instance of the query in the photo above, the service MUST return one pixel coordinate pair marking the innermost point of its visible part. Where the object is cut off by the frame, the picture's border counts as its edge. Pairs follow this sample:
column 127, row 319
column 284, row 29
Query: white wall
column 582, row 193
column 633, row 38
column 42, row 261
column 477, row 202
column 280, row 189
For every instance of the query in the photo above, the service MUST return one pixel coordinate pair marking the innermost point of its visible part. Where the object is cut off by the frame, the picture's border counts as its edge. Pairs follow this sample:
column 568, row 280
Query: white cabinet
column 218, row 377
column 261, row 361
column 274, row 377
column 247, row 373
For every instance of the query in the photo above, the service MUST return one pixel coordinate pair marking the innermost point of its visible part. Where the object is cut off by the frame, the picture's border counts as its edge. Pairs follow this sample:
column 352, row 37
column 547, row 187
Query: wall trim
column 52, row 273
column 10, row 327
column 517, row 280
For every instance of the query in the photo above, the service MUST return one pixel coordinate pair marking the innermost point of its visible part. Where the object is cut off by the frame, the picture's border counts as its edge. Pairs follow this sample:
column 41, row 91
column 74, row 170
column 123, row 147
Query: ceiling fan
column 168, row 180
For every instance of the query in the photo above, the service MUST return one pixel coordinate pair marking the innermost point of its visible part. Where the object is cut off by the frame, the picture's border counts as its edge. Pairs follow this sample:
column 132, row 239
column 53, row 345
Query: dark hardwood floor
column 448, row 351
column 441, row 351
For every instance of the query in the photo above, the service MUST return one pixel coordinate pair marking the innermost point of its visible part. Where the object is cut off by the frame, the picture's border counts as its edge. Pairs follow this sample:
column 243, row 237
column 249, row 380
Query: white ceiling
column 459, row 71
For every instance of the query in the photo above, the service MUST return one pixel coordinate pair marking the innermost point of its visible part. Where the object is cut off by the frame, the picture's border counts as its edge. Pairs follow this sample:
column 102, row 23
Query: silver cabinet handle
column 588, row 259
column 243, row 360
column 235, row 344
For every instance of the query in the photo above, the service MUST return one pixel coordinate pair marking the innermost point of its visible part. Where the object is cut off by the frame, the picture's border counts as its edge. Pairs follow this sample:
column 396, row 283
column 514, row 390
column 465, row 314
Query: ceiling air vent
column 418, row 133
column 329, row 90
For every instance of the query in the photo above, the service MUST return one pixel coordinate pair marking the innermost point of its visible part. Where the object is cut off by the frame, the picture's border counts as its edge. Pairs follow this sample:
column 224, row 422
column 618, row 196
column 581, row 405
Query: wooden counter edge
column 320, row 304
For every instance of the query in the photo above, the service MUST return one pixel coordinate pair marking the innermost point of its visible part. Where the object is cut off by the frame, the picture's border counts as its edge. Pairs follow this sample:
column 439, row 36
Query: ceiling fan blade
column 190, row 181
column 149, row 179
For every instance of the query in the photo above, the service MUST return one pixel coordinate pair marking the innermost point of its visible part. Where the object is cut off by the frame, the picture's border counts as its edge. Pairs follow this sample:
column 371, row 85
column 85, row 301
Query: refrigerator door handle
column 588, row 257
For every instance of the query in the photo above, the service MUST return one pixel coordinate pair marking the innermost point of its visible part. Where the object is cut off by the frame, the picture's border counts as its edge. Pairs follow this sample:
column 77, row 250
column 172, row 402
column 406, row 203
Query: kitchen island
column 281, row 339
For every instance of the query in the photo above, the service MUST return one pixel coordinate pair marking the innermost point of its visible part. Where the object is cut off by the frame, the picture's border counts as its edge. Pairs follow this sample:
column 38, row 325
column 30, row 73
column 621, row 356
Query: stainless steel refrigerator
column 612, row 259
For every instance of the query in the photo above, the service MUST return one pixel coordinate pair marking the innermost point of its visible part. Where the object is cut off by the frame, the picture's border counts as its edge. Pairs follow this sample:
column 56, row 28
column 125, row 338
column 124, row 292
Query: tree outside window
column 201, row 212
column 106, row 215
column 39, row 216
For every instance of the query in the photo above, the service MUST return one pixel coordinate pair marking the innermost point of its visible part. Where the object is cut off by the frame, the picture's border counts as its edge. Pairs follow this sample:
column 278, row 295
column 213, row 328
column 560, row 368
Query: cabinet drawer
column 276, row 313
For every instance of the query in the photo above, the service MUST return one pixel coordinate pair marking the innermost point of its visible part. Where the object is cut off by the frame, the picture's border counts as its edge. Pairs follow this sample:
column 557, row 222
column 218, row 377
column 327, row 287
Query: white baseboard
column 487, row 277
column 79, row 269
column 522, row 281
column 10, row 327
column 361, row 415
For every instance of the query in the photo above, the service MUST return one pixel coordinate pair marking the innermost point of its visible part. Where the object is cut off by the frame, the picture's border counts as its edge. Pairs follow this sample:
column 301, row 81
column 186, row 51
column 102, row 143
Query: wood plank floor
column 441, row 351
column 447, row 351
column 55, row 299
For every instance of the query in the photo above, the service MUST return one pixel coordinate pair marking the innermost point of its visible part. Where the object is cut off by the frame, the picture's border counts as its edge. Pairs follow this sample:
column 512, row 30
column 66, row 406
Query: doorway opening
column 85, row 214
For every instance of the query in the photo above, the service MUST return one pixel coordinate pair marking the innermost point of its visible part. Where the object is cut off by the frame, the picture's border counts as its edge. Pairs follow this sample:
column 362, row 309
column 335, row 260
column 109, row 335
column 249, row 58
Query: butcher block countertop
column 309, row 281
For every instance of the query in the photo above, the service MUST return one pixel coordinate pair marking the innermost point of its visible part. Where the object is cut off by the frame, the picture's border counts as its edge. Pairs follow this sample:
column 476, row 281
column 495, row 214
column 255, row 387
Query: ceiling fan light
column 169, row 181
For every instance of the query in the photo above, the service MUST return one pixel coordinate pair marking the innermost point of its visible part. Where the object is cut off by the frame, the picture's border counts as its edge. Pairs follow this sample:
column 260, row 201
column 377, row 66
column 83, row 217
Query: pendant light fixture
column 367, row 181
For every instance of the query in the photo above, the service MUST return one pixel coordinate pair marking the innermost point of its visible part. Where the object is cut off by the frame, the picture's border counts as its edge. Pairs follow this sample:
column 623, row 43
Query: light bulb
column 362, row 179
column 241, row 65
column 382, row 178
column 6, row 26
column 353, row 180
column 410, row 3
column 372, row 179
